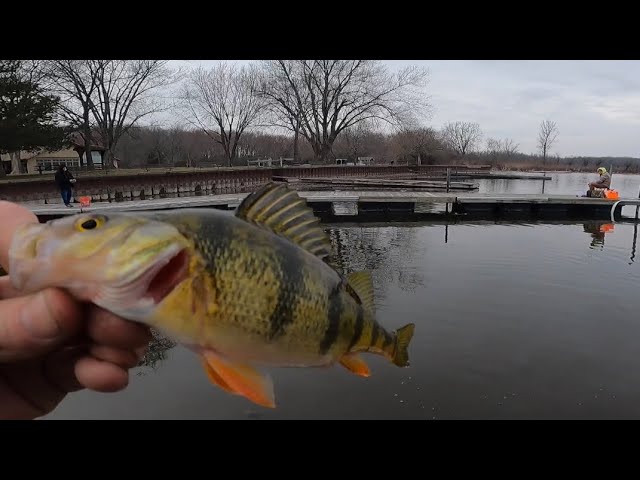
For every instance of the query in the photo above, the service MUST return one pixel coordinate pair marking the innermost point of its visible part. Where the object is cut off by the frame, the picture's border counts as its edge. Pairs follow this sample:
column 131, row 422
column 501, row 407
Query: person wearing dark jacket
column 64, row 180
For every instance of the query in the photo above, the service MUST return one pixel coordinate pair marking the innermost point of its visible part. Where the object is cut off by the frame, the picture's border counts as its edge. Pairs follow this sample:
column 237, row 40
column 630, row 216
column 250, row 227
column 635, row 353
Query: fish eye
column 90, row 223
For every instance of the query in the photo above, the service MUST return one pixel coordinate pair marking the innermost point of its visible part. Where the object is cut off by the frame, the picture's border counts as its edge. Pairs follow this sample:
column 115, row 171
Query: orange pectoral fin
column 214, row 377
column 354, row 363
column 240, row 379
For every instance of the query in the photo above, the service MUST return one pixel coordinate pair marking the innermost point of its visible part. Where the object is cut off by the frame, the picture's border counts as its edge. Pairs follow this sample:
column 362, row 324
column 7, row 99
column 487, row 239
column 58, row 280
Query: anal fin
column 354, row 363
column 240, row 379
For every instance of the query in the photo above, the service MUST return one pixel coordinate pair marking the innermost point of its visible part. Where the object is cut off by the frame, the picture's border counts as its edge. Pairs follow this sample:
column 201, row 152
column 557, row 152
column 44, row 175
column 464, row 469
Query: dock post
column 448, row 178
column 544, row 174
column 637, row 206
column 633, row 246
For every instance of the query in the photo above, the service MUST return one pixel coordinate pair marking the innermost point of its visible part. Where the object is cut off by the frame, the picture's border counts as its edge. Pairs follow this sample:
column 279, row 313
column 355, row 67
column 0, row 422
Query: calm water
column 512, row 321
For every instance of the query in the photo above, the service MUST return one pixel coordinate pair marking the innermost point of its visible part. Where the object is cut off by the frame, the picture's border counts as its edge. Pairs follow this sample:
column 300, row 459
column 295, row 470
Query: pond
column 513, row 321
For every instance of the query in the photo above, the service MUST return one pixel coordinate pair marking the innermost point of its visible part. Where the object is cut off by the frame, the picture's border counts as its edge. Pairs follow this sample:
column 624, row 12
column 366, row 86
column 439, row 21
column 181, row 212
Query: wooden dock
column 388, row 183
column 384, row 205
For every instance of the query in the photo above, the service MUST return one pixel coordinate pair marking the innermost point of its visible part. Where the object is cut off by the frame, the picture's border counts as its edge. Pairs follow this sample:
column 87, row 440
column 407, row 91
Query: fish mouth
column 167, row 275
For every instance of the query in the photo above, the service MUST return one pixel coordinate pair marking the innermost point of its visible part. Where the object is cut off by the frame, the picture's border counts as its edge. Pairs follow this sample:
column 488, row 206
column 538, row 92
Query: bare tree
column 326, row 97
column 546, row 137
column 355, row 137
column 126, row 93
column 280, row 87
column 76, row 82
column 416, row 143
column 505, row 147
column 224, row 102
column 501, row 150
column 509, row 147
column 462, row 137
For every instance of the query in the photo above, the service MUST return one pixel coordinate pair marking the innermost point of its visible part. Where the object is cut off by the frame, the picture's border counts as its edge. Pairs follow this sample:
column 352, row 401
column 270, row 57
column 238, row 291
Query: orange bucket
column 611, row 194
column 85, row 202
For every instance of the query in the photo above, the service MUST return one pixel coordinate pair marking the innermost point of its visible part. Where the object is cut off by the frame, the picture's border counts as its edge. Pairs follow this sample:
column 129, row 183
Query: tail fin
column 403, row 337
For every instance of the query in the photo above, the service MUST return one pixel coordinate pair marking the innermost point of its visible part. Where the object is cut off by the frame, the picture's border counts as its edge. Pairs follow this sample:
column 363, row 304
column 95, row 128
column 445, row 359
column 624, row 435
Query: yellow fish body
column 252, row 289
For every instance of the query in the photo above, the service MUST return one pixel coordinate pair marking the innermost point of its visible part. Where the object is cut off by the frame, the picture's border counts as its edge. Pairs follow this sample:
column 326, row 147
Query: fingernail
column 38, row 320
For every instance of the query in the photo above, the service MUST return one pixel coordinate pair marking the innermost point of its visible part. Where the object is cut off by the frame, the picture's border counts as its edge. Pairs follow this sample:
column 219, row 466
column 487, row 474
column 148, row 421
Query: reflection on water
column 598, row 230
column 635, row 240
column 156, row 352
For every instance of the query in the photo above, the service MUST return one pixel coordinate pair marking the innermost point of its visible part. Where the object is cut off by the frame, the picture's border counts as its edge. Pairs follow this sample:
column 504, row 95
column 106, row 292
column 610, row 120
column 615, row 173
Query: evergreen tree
column 27, row 115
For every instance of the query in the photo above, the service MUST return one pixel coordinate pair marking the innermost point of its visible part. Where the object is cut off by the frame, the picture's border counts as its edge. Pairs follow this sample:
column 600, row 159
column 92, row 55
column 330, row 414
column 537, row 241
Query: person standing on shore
column 65, row 180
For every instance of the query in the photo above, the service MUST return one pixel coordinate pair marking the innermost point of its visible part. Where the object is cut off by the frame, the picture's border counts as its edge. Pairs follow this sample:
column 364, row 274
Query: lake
column 513, row 321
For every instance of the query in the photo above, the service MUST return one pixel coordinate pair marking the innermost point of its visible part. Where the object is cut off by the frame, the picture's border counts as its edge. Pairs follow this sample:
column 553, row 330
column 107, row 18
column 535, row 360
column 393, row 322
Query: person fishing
column 597, row 189
column 65, row 180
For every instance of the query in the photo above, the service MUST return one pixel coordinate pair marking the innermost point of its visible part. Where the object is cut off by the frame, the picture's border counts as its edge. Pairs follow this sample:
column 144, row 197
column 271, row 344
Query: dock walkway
column 376, row 203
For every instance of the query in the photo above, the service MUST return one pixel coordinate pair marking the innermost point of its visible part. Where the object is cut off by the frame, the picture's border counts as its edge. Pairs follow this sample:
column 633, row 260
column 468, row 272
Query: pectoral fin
column 214, row 377
column 240, row 379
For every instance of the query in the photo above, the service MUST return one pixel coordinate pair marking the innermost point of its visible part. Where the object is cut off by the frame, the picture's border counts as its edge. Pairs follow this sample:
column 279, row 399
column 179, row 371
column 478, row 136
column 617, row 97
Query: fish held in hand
column 244, row 291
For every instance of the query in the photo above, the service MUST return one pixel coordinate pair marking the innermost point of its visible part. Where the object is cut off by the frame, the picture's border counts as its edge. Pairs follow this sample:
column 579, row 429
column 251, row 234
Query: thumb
column 35, row 324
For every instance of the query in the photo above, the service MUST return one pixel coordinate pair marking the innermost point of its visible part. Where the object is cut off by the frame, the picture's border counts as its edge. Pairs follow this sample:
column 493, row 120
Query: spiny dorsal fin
column 362, row 285
column 282, row 211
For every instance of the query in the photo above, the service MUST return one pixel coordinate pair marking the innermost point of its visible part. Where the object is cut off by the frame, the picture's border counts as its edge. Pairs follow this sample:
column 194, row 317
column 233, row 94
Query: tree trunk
column 16, row 166
column 107, row 159
column 323, row 153
column 295, row 145
column 87, row 141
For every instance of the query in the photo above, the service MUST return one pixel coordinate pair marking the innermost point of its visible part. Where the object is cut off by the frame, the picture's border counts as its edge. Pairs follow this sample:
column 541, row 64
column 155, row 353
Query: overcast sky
column 596, row 104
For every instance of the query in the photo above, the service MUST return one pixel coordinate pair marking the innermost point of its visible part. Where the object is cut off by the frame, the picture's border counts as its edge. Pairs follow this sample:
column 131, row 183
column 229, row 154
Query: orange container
column 85, row 201
column 611, row 194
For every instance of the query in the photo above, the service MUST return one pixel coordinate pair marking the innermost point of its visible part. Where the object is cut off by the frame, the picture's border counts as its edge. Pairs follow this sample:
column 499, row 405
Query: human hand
column 51, row 344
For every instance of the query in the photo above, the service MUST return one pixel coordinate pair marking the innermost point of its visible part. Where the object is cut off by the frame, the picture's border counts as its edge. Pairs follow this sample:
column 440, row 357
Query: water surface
column 513, row 321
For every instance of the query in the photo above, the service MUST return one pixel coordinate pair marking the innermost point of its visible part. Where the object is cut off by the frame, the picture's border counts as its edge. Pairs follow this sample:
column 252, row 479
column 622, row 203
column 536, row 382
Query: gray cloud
column 596, row 104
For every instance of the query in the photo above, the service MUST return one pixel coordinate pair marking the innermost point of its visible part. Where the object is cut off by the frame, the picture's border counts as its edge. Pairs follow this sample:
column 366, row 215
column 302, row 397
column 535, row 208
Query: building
column 365, row 161
column 44, row 161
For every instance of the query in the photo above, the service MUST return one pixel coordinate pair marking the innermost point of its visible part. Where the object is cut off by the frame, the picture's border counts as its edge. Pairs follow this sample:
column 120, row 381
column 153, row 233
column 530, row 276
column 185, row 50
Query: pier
column 382, row 205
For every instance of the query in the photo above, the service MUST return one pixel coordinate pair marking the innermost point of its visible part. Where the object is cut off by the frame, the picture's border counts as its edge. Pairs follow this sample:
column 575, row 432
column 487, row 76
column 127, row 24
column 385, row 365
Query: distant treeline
column 180, row 147
column 308, row 111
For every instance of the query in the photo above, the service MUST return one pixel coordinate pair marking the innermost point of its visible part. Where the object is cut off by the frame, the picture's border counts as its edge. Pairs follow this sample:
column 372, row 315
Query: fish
column 245, row 291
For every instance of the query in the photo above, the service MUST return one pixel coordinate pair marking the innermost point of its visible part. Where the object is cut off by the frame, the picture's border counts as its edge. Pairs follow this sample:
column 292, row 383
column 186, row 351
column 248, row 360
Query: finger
column 101, row 376
column 141, row 352
column 34, row 324
column 105, row 328
column 7, row 290
column 12, row 216
column 30, row 387
column 59, row 368
column 117, row 356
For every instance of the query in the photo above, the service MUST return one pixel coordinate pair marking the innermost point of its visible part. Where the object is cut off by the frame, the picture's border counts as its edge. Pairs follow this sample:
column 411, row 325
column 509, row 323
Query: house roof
column 77, row 139
column 42, row 154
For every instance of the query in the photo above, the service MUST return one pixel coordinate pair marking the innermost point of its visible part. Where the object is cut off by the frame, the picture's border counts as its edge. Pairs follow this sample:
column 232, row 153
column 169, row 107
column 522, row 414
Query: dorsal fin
column 282, row 211
column 362, row 285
